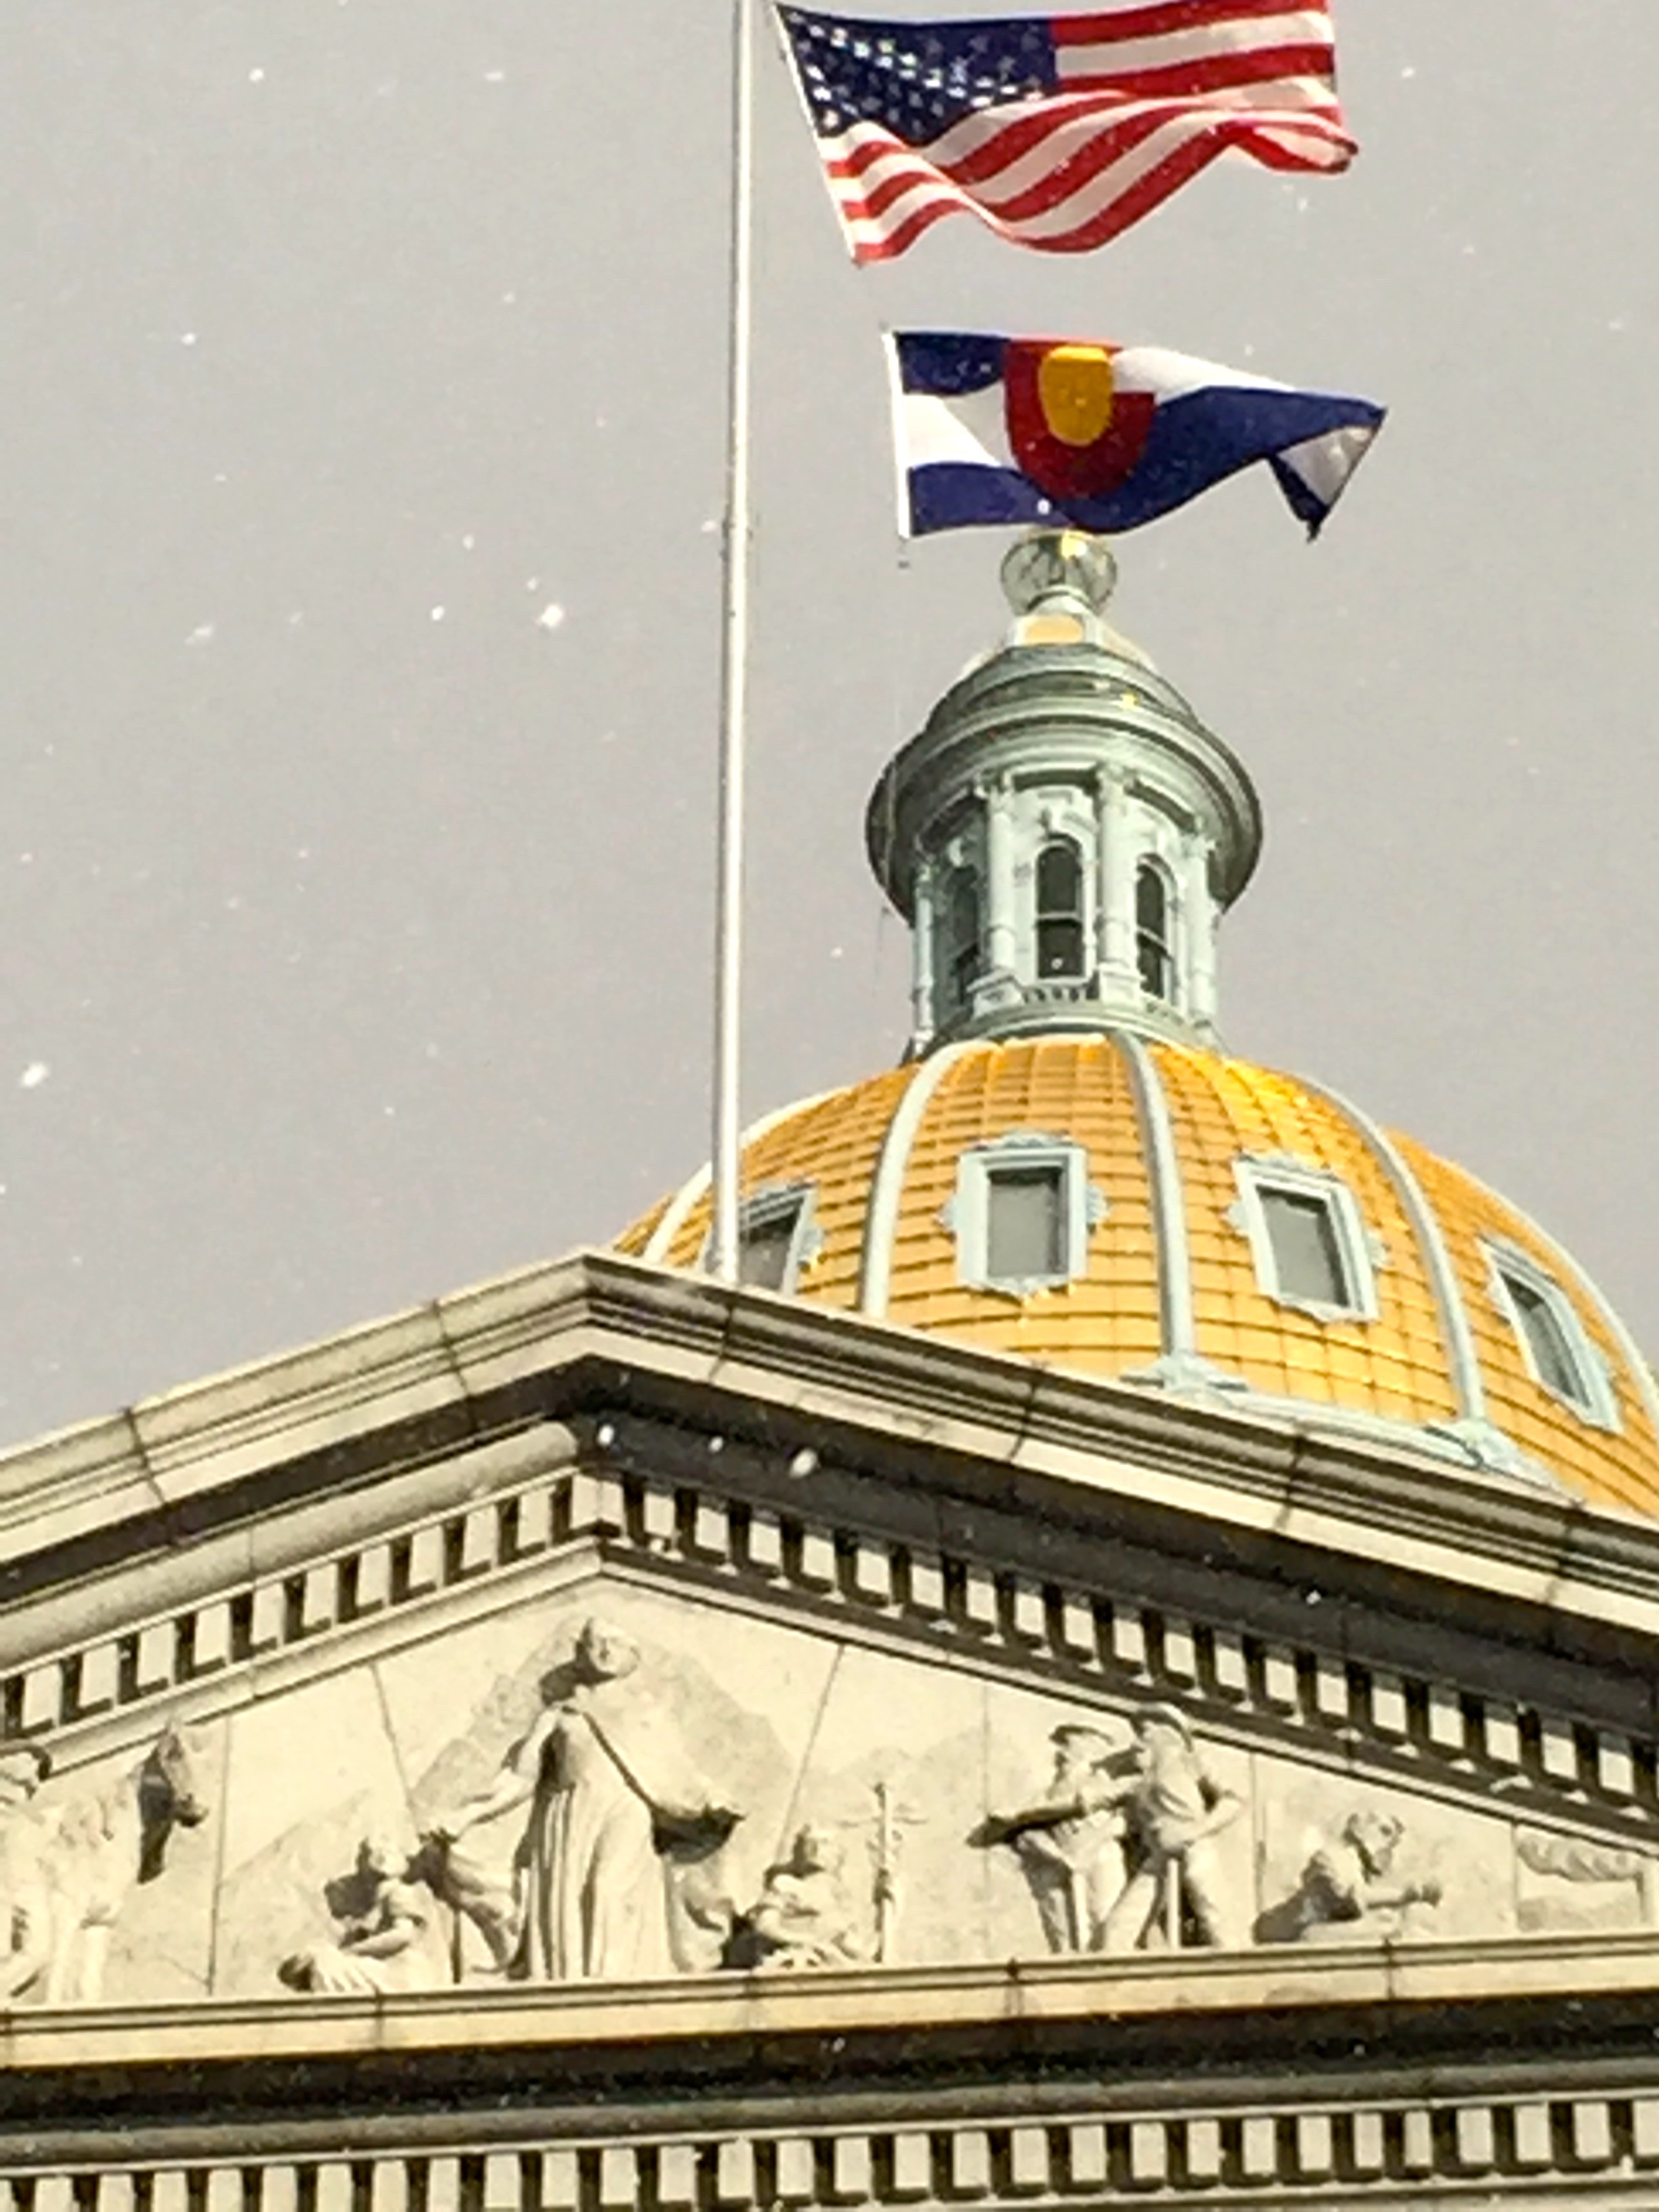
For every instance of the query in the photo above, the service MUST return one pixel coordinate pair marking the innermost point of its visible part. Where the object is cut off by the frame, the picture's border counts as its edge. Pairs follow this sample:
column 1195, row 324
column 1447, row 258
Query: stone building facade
column 1116, row 1666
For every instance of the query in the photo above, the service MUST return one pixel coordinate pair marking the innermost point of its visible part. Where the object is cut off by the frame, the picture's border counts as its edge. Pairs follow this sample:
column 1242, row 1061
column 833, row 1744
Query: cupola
column 1068, row 1169
column 1064, row 835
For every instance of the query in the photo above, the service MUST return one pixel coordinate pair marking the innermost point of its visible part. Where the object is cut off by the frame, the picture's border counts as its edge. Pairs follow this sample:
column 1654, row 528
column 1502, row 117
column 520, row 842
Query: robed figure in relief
column 613, row 1792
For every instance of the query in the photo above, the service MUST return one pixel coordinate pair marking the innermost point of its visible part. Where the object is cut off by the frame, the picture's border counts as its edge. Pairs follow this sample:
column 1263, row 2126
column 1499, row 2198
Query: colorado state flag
column 1106, row 437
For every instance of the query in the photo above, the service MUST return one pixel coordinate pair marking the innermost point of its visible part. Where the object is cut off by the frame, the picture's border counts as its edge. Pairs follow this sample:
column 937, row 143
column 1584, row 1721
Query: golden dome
column 1447, row 1321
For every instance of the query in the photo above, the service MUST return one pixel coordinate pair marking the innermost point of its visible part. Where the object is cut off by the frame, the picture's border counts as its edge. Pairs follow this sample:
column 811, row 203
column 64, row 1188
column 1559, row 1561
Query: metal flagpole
column 725, row 1164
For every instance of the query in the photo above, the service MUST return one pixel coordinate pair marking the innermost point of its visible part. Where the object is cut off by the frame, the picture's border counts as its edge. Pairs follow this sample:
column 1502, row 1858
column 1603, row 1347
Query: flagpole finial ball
column 1057, row 568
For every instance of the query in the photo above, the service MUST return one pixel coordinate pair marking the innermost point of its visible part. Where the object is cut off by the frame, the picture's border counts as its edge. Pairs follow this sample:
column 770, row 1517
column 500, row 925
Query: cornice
column 1105, row 2002
column 548, row 1341
column 1056, row 708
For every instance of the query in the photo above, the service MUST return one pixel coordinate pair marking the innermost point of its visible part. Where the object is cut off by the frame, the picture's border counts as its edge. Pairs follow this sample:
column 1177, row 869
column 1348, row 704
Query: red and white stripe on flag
column 1146, row 98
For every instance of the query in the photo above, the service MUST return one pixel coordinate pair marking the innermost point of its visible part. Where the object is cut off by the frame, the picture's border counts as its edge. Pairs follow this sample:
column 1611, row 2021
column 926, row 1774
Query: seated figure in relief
column 390, row 1942
column 1348, row 1887
column 805, row 1916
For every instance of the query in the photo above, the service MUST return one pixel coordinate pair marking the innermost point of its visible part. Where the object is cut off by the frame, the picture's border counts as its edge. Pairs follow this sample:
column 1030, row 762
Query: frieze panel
column 611, row 1782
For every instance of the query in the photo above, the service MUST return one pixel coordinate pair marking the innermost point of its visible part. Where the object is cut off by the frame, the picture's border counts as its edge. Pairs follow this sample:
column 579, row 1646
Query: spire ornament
column 1057, row 583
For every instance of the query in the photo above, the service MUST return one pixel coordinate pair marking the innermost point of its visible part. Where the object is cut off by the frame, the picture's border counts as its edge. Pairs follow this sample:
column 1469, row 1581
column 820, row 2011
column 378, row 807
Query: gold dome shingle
column 1440, row 1358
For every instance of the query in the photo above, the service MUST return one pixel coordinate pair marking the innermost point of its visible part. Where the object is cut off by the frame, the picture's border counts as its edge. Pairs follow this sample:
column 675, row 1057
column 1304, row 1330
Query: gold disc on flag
column 1076, row 392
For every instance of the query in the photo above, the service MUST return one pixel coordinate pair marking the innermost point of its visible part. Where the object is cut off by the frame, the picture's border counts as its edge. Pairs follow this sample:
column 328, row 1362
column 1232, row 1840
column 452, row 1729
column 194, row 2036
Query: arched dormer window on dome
column 778, row 1235
column 1061, row 949
column 1559, row 1352
column 1154, row 931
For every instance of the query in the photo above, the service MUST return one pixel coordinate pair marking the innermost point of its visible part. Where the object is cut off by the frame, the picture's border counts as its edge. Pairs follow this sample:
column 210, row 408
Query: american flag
column 1059, row 132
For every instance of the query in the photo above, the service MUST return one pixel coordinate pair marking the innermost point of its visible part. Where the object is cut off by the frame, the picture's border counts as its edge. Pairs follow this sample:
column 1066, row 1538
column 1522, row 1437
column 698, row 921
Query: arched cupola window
column 1059, row 939
column 963, row 930
column 1154, row 949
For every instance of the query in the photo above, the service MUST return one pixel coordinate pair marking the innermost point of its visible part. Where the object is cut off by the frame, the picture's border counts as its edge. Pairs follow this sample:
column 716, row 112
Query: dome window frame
column 1358, row 1252
column 762, row 1213
column 1513, row 1277
column 1022, row 1155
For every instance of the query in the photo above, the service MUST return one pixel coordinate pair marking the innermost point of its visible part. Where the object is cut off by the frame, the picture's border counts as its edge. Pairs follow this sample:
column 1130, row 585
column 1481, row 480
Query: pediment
column 980, row 1771
column 868, row 1581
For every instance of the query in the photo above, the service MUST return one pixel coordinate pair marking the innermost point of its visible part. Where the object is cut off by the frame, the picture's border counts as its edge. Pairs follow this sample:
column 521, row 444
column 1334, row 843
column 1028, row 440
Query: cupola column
column 1198, row 935
column 1118, row 979
column 923, row 930
column 1001, row 932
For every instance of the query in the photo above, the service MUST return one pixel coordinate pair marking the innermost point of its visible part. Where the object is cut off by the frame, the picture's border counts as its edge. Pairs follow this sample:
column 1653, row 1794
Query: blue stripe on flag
column 947, row 363
column 1205, row 435
column 963, row 495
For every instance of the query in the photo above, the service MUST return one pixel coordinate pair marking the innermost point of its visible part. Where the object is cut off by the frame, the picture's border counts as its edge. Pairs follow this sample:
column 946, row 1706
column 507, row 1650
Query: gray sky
column 363, row 443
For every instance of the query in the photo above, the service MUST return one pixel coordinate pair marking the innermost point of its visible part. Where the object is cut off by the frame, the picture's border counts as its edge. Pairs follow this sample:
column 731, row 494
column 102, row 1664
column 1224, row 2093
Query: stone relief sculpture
column 888, row 1825
column 1348, row 1885
column 1178, row 1890
column 804, row 1916
column 1070, row 1843
column 473, row 1892
column 389, row 1939
column 1120, row 1855
column 25, row 1899
column 68, row 1868
column 613, row 1793
column 1567, row 1882
column 1575, row 1859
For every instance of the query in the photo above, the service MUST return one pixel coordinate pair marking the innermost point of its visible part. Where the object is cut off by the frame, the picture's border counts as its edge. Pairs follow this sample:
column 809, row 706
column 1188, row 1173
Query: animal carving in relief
column 68, row 1869
column 25, row 1898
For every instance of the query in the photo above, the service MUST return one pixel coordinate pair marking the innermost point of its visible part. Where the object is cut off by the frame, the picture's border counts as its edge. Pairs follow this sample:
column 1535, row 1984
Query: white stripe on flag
column 1168, row 375
column 1325, row 464
column 1117, row 179
column 1120, row 56
column 971, row 426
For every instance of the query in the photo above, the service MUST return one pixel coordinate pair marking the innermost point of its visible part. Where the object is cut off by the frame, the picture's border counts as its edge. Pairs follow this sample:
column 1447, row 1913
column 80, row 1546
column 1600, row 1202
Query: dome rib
column 887, row 1185
column 1167, row 1289
column 1462, row 1360
column 1178, row 1355
column 672, row 1218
